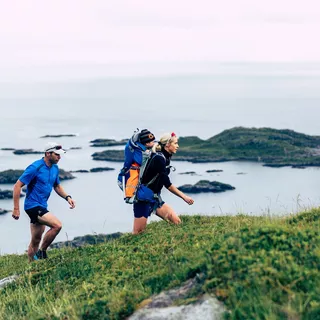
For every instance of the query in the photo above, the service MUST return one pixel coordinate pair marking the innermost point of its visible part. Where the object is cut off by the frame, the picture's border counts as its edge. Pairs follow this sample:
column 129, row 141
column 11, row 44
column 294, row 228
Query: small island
column 206, row 186
column 7, row 194
column 58, row 135
column 11, row 176
column 3, row 211
column 192, row 173
column 107, row 142
column 271, row 147
column 100, row 169
column 26, row 151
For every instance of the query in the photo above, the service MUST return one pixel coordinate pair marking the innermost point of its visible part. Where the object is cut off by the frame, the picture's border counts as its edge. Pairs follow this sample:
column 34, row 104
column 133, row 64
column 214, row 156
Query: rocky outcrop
column 164, row 306
column 214, row 170
column 58, row 135
column 65, row 175
column 85, row 240
column 108, row 142
column 192, row 173
column 7, row 194
column 206, row 186
column 4, row 282
column 26, row 151
column 7, row 149
column 11, row 176
column 3, row 211
column 100, row 169
column 80, row 171
column 109, row 155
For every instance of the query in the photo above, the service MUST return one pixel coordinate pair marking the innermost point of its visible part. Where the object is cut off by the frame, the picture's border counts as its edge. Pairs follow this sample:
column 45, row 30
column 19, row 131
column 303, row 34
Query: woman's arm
column 180, row 194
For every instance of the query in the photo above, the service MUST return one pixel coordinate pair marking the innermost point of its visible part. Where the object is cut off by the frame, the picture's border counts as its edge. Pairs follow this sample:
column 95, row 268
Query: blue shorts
column 144, row 209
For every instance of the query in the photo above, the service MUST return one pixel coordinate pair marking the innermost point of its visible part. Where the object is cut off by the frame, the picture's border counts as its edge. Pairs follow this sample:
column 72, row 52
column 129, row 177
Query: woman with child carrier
column 154, row 177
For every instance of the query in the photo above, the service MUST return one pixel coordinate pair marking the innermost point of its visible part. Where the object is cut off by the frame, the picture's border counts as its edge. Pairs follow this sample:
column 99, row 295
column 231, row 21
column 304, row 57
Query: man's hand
column 16, row 214
column 188, row 200
column 72, row 203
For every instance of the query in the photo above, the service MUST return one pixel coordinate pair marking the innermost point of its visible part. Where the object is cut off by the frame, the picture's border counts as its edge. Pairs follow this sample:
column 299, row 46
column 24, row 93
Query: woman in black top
column 159, row 168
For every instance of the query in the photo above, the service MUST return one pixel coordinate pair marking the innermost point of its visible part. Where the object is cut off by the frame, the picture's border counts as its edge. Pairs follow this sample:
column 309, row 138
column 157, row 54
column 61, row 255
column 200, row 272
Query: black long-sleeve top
column 158, row 165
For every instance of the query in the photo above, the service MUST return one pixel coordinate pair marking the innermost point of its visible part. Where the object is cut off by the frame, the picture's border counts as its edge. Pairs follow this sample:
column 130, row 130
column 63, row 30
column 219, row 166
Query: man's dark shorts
column 36, row 212
column 144, row 209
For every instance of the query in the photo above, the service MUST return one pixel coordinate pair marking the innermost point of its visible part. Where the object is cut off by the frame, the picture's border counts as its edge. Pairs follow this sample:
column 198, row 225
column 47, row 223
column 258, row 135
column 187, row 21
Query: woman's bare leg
column 139, row 224
column 167, row 213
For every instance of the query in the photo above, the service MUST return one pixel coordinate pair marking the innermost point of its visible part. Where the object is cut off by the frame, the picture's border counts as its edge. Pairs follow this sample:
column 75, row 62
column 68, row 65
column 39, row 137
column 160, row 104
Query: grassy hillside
column 261, row 268
column 263, row 144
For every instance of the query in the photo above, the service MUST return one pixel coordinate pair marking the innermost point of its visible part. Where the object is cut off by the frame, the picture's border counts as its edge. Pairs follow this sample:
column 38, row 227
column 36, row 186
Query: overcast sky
column 88, row 32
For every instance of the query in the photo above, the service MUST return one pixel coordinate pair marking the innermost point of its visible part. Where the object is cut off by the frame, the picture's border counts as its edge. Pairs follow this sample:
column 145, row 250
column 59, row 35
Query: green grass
column 260, row 267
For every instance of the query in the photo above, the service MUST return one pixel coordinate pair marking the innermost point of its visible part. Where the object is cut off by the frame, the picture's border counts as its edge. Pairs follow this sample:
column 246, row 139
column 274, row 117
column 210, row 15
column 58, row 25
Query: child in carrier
column 136, row 148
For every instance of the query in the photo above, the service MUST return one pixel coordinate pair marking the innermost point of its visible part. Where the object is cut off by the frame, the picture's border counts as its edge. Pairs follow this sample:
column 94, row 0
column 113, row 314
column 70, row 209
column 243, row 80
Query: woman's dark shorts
column 145, row 209
column 36, row 212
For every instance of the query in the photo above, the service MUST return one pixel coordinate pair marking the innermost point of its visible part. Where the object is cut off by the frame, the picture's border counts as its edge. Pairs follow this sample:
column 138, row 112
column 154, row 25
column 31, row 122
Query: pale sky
column 88, row 32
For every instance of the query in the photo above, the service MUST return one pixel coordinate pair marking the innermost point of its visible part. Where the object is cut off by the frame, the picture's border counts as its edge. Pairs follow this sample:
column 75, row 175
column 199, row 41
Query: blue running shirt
column 40, row 179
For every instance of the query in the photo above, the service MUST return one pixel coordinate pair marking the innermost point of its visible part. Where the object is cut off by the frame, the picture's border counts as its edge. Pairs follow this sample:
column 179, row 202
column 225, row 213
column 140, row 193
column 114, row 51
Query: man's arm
column 60, row 191
column 16, row 199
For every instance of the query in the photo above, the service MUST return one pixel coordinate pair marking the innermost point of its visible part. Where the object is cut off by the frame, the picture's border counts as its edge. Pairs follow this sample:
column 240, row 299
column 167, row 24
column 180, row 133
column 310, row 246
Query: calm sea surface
column 189, row 105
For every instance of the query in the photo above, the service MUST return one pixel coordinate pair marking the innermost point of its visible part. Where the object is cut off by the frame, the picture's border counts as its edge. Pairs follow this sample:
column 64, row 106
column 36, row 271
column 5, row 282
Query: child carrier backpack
column 135, row 154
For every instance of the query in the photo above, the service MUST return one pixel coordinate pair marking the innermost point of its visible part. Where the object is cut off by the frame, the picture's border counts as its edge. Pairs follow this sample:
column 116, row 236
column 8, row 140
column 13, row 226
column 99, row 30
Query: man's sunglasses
column 54, row 148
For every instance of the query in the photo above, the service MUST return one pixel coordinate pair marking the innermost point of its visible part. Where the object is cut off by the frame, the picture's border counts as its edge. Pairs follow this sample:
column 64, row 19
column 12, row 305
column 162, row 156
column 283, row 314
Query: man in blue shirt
column 40, row 177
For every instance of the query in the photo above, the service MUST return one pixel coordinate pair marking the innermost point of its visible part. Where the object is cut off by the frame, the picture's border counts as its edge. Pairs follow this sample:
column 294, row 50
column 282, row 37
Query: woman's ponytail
column 157, row 147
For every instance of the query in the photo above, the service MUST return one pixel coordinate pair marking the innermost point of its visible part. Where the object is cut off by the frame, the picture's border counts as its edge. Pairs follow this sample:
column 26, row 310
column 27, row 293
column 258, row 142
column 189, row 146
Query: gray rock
column 206, row 308
column 161, row 307
column 85, row 240
column 214, row 170
column 4, row 282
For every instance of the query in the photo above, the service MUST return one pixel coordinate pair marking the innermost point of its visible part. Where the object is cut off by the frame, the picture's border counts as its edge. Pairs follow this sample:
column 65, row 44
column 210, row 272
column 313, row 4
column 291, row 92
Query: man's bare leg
column 36, row 235
column 55, row 225
column 139, row 224
column 167, row 213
